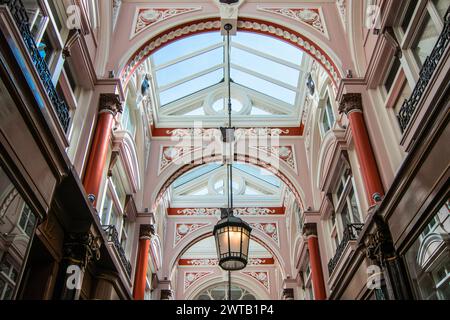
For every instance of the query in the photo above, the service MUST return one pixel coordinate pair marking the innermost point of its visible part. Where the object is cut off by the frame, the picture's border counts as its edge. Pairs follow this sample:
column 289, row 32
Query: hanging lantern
column 232, row 236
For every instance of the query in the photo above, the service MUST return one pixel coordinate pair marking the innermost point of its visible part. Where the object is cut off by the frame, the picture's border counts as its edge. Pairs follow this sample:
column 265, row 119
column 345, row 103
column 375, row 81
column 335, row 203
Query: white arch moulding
column 329, row 62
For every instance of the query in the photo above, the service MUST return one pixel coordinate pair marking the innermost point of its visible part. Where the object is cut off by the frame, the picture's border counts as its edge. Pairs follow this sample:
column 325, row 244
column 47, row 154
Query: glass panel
column 441, row 7
column 426, row 41
column 354, row 207
column 404, row 95
column 189, row 67
column 409, row 13
column 325, row 122
column 345, row 216
column 269, row 45
column 265, row 67
column 191, row 87
column 13, row 246
column 106, row 209
column 185, row 47
column 427, row 259
column 263, row 86
column 392, row 74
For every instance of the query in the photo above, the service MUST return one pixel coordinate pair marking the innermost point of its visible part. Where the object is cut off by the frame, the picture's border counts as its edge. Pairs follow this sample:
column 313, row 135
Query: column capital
column 81, row 248
column 110, row 102
column 288, row 294
column 310, row 229
column 146, row 231
column 350, row 102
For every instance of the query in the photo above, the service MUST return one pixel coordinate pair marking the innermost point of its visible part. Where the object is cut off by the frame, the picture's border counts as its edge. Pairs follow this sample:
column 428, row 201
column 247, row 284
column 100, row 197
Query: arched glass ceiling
column 260, row 63
column 255, row 172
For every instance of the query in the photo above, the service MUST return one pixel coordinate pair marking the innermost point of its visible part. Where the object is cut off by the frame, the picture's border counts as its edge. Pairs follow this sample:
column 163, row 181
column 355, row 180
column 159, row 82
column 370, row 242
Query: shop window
column 16, row 220
column 428, row 261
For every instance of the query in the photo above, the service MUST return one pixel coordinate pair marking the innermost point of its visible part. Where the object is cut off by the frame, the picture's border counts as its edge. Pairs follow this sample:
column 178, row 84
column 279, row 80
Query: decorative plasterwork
column 215, row 262
column 312, row 17
column 291, row 36
column 342, row 8
column 182, row 230
column 269, row 229
column 170, row 154
column 147, row 17
column 284, row 153
column 240, row 158
column 261, row 276
column 252, row 211
column 212, row 133
column 191, row 277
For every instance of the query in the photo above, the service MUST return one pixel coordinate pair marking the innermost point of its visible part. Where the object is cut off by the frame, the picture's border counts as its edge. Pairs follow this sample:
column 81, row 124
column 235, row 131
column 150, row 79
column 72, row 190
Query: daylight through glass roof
column 259, row 63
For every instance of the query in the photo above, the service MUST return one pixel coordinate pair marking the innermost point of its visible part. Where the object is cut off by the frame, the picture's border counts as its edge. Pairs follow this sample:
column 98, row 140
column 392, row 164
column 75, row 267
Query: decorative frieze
column 191, row 277
column 215, row 262
column 261, row 276
column 251, row 211
column 312, row 17
column 269, row 229
column 184, row 229
column 81, row 248
column 147, row 17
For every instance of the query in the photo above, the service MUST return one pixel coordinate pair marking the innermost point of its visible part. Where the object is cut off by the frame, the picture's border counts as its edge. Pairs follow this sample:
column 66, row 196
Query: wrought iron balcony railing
column 410, row 105
column 19, row 14
column 351, row 232
column 113, row 237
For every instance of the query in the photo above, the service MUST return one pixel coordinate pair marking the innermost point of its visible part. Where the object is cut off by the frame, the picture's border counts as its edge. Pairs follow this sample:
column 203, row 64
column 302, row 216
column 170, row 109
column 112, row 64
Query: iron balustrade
column 20, row 16
column 113, row 237
column 351, row 232
column 410, row 105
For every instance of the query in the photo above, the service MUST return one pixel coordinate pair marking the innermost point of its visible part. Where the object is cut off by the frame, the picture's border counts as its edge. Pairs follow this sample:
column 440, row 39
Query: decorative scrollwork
column 410, row 105
column 351, row 232
column 113, row 237
column 20, row 15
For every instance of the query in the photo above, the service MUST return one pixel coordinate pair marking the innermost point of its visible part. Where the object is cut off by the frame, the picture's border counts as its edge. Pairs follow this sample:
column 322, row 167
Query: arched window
column 220, row 292
column 327, row 118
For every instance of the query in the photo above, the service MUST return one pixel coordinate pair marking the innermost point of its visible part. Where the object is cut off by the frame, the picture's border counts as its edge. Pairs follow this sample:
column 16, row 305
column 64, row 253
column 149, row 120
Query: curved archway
column 249, row 284
column 201, row 234
column 174, row 171
column 244, row 24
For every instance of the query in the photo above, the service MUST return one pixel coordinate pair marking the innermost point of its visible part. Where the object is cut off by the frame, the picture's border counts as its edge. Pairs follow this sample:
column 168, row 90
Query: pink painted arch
column 244, row 24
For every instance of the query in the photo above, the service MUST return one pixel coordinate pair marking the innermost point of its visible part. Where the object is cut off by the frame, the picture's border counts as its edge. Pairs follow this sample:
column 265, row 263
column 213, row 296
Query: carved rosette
column 350, row 102
column 110, row 102
column 81, row 248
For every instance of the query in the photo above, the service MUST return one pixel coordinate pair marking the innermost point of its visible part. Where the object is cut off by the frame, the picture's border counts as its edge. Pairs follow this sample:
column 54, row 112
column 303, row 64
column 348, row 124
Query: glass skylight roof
column 259, row 63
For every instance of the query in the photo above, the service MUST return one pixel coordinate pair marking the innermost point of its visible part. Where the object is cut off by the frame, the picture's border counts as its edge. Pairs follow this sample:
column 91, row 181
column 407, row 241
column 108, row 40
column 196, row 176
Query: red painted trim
column 293, row 131
column 186, row 262
column 141, row 269
column 316, row 269
column 304, row 38
column 174, row 211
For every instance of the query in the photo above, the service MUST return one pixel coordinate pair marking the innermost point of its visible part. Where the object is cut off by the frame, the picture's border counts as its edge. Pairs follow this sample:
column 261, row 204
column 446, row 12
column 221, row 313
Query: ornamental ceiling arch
column 269, row 163
column 170, row 264
column 244, row 24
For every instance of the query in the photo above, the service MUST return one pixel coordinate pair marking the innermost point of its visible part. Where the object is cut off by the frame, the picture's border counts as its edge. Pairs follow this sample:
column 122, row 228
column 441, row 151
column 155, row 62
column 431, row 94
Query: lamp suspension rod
column 228, row 27
column 229, row 285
